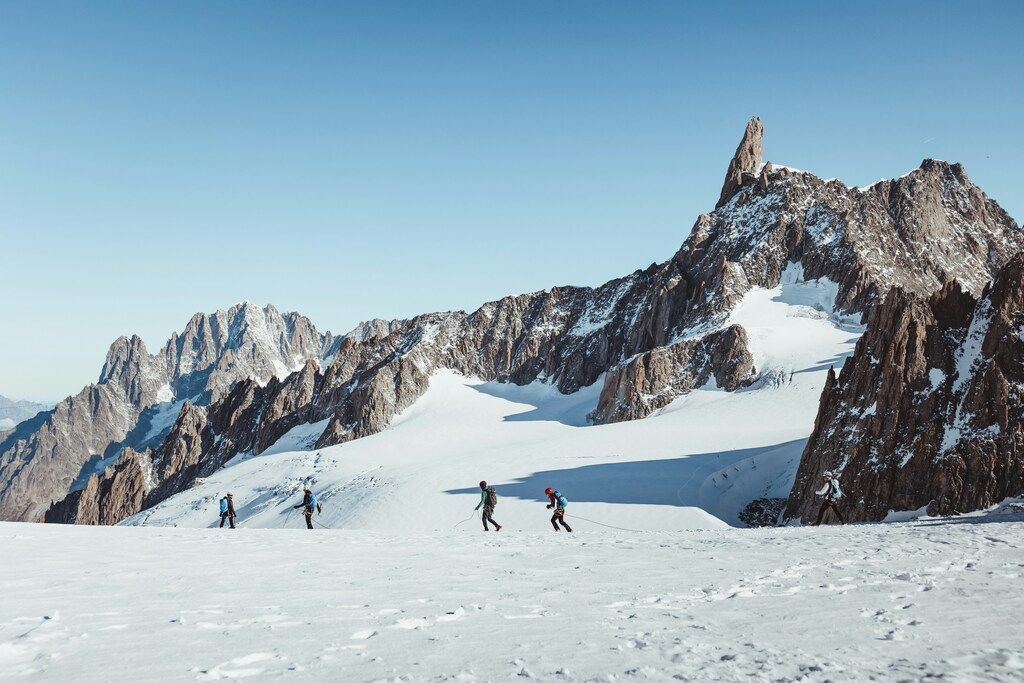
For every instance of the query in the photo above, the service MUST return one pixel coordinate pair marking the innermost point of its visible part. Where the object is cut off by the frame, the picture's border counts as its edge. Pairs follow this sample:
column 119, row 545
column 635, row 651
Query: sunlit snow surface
column 936, row 598
column 694, row 464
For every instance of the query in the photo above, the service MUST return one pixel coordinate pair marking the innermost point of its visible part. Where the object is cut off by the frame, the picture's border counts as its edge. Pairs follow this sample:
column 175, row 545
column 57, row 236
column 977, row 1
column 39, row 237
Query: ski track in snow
column 889, row 601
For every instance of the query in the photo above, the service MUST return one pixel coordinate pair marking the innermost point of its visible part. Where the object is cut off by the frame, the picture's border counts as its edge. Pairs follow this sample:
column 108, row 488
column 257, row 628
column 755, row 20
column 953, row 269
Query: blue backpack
column 835, row 493
column 223, row 505
column 562, row 502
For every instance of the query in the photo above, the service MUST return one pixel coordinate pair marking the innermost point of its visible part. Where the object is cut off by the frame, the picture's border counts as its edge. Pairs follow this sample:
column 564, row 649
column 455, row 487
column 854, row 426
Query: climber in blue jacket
column 227, row 511
column 310, row 505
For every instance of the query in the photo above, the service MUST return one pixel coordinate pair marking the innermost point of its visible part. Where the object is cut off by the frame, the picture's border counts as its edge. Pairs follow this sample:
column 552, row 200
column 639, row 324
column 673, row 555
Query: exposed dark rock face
column 763, row 512
column 108, row 497
column 659, row 332
column 140, row 480
column 928, row 411
column 49, row 455
column 654, row 379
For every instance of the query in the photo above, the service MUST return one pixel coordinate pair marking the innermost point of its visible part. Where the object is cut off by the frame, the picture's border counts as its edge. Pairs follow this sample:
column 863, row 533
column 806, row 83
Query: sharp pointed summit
column 747, row 159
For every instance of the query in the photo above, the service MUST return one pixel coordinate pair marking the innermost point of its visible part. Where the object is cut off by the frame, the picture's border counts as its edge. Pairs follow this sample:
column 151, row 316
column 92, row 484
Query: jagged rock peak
column 122, row 351
column 376, row 327
column 747, row 159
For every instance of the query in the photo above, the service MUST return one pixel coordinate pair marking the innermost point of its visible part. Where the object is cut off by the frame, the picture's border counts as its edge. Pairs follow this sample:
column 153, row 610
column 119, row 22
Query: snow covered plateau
column 904, row 601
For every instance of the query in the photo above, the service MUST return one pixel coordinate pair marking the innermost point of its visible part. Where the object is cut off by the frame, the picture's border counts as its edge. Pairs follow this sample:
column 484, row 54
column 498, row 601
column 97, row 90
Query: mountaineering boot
column 497, row 527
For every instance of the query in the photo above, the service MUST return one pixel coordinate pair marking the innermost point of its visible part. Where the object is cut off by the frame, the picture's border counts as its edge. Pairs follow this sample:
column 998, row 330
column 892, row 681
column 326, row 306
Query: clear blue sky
column 383, row 160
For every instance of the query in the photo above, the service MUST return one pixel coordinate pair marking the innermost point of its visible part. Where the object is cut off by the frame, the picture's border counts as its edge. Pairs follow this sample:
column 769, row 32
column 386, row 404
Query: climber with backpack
column 559, row 503
column 310, row 505
column 227, row 511
column 832, row 493
column 488, row 501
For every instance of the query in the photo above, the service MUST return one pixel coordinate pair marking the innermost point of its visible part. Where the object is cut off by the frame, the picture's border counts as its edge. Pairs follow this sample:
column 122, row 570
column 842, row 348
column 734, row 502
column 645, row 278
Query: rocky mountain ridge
column 45, row 457
column 652, row 336
column 929, row 411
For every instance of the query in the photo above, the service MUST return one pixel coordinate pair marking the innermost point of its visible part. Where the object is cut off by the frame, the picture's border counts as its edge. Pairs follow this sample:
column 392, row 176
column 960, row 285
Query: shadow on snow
column 672, row 481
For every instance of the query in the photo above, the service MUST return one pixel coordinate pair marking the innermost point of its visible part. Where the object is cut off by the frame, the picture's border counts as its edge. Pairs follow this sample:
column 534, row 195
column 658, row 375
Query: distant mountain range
column 12, row 411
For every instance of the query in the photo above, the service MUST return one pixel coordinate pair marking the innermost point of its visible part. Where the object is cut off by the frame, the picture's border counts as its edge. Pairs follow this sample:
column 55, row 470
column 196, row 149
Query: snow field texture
column 885, row 601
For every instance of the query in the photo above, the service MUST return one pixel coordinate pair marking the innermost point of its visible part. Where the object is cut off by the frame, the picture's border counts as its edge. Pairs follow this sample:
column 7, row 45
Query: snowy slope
column 930, row 599
column 695, row 464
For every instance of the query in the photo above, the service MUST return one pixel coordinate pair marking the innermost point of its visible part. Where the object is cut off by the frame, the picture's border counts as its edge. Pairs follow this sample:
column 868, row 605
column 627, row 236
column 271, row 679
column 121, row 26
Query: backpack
column 562, row 502
column 223, row 505
column 313, row 502
column 834, row 492
column 492, row 497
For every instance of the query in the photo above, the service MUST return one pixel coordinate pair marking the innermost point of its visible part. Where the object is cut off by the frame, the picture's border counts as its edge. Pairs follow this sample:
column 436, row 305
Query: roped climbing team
column 830, row 492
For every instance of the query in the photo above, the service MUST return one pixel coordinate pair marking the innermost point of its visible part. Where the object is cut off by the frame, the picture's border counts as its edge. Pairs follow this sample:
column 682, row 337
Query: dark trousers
column 825, row 507
column 488, row 517
column 309, row 518
column 228, row 516
column 559, row 518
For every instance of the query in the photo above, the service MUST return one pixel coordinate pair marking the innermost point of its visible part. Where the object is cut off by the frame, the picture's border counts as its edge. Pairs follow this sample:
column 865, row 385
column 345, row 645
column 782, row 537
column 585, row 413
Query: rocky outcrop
column 654, row 379
column 140, row 480
column 109, row 497
column 745, row 163
column 763, row 512
column 929, row 411
column 659, row 332
column 52, row 454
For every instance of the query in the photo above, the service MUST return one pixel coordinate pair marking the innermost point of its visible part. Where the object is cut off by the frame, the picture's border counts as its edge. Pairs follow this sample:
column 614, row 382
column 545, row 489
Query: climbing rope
column 605, row 525
column 471, row 516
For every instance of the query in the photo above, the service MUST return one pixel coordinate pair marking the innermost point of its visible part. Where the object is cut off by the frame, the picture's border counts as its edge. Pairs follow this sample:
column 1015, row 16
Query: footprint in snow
column 250, row 665
column 452, row 616
column 409, row 624
column 365, row 634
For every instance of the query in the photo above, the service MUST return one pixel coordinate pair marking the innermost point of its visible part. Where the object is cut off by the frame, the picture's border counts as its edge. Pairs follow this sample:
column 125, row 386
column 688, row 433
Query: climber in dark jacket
column 310, row 505
column 227, row 511
column 488, row 500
